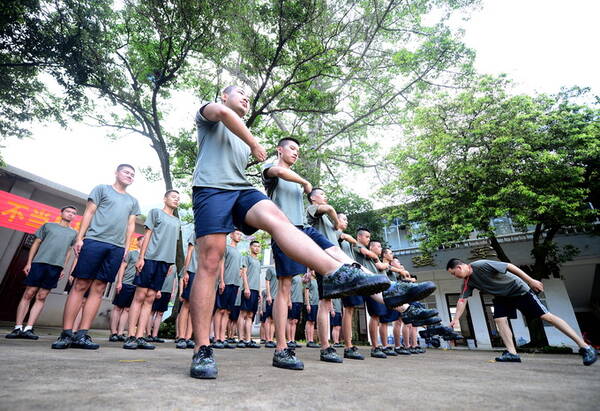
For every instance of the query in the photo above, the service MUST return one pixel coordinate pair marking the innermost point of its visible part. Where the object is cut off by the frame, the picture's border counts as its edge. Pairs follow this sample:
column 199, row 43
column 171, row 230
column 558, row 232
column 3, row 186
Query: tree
column 483, row 154
column 63, row 39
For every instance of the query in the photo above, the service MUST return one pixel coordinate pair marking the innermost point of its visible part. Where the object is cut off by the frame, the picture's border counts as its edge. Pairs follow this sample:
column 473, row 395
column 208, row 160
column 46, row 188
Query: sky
column 541, row 45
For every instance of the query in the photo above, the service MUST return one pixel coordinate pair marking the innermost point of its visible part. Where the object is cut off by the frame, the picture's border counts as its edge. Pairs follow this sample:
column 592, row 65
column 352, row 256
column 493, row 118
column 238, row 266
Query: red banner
column 21, row 214
column 25, row 215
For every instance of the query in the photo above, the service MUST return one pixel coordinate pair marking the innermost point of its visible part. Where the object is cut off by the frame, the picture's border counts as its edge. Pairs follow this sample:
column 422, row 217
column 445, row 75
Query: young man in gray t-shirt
column 224, row 199
column 47, row 258
column 102, row 242
column 513, row 290
column 156, row 257
column 249, row 297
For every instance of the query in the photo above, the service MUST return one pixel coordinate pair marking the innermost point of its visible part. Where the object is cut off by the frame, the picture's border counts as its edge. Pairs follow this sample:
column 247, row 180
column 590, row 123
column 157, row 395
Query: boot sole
column 61, row 347
column 295, row 367
column 410, row 297
column 204, row 376
column 84, row 347
column 374, row 285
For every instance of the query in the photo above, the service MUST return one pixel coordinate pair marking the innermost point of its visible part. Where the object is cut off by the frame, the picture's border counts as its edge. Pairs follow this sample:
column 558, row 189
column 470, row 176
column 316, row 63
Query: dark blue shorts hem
column 43, row 275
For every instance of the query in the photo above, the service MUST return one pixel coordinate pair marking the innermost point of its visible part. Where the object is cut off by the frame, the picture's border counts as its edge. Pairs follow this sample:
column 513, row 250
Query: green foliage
column 483, row 153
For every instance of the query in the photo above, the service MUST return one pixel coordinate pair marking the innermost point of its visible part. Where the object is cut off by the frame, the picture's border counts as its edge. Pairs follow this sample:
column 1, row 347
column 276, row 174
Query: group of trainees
column 357, row 270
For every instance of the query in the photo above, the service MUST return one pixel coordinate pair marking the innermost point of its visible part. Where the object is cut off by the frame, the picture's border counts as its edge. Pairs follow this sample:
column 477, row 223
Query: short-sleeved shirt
column 169, row 279
column 193, row 264
column 321, row 223
column 238, row 298
column 345, row 245
column 129, row 274
column 222, row 157
column 111, row 218
column 165, row 232
column 287, row 195
column 393, row 276
column 271, row 277
column 493, row 278
column 233, row 263
column 313, row 292
column 252, row 272
column 297, row 289
column 337, row 305
column 366, row 261
column 55, row 244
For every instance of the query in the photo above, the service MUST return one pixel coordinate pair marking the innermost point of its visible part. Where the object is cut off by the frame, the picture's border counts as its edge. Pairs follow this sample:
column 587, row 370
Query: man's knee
column 42, row 295
column 81, row 285
column 29, row 293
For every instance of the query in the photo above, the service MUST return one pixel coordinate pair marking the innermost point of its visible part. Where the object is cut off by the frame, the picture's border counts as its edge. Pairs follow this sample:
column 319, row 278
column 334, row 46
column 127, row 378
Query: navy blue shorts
column 268, row 313
column 98, row 261
column 312, row 315
column 185, row 294
column 336, row 320
column 226, row 301
column 353, row 301
column 374, row 308
column 234, row 314
column 222, row 211
column 294, row 312
column 529, row 304
column 125, row 296
column 250, row 304
column 161, row 304
column 43, row 275
column 285, row 266
column 389, row 317
column 153, row 275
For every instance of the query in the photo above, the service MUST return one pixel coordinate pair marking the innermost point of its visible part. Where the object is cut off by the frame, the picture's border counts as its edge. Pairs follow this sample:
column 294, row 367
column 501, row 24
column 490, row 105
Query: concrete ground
column 34, row 377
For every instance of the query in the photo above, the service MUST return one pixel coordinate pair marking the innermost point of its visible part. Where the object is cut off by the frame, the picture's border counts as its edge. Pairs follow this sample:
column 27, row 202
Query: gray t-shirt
column 192, row 266
column 287, row 195
column 165, row 232
column 491, row 277
column 129, row 274
column 321, row 223
column 222, row 157
column 271, row 277
column 393, row 276
column 297, row 289
column 345, row 245
column 169, row 279
column 313, row 292
column 337, row 305
column 56, row 241
column 233, row 263
column 367, row 262
column 252, row 272
column 110, row 220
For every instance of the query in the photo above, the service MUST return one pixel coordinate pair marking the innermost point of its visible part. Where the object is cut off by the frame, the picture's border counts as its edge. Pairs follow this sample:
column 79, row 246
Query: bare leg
column 135, row 310
column 383, row 333
column 293, row 326
column 115, row 316
column 347, row 326
column 374, row 330
column 323, row 317
column 77, row 323
column 265, row 215
column 397, row 332
column 505, row 334
column 90, row 309
column 271, row 333
column 218, row 318
column 248, row 325
column 189, row 330
column 24, row 304
column 123, row 321
column 335, row 334
column 156, row 326
column 562, row 327
column 145, row 312
column 280, row 312
column 413, row 336
column 309, row 331
column 38, row 305
column 241, row 326
column 74, row 301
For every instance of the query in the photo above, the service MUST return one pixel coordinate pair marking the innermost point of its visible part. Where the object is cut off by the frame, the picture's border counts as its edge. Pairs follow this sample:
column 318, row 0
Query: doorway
column 12, row 288
column 465, row 324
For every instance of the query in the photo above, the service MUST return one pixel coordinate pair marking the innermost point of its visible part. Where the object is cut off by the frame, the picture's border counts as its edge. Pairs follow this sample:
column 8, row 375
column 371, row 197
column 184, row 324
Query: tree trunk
column 498, row 249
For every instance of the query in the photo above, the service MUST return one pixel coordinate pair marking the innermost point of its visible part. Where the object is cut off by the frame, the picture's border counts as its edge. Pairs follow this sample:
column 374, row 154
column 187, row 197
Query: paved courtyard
column 35, row 377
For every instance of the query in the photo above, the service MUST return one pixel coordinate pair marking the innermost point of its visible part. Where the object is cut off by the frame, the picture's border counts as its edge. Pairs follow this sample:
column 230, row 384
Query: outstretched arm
column 460, row 309
column 535, row 285
column 289, row 175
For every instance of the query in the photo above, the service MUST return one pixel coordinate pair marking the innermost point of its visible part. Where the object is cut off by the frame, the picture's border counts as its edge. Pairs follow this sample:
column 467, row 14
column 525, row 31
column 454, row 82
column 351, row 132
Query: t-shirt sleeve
column 270, row 183
column 313, row 210
column 96, row 194
column 153, row 219
column 192, row 238
column 498, row 266
column 135, row 208
column 245, row 262
column 269, row 275
column 41, row 232
column 356, row 248
column 201, row 120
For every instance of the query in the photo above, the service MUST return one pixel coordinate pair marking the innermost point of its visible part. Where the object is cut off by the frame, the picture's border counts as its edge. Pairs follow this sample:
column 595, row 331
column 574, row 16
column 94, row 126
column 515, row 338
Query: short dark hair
column 309, row 195
column 361, row 229
column 229, row 89
column 375, row 241
column 123, row 165
column 68, row 206
column 453, row 263
column 283, row 142
column 386, row 249
column 254, row 242
column 171, row 191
